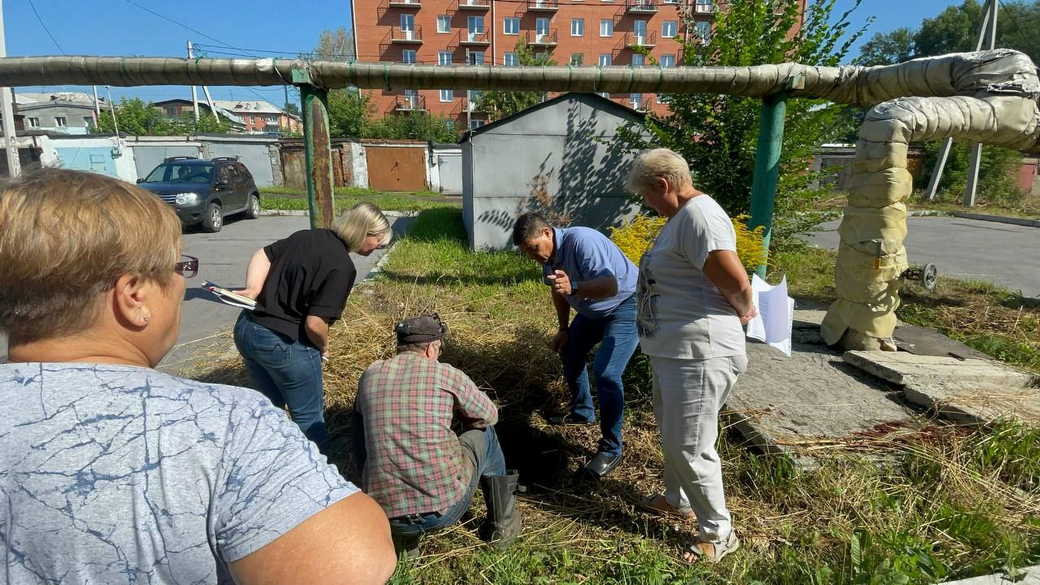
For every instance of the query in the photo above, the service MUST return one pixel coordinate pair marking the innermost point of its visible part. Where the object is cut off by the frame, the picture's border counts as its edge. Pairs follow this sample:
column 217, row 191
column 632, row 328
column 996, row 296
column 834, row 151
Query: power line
column 180, row 24
column 45, row 29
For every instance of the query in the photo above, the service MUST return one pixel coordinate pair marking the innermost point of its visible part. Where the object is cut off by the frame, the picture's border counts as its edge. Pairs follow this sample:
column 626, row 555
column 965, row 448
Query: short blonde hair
column 359, row 222
column 66, row 237
column 658, row 162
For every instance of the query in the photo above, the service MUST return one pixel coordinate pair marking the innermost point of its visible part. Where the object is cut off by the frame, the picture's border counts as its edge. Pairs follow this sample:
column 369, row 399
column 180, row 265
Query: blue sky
column 154, row 28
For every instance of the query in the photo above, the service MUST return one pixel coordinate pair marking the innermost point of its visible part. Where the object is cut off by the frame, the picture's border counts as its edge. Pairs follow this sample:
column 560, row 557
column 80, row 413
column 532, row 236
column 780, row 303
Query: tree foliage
column 413, row 126
column 499, row 104
column 888, row 48
column 138, row 118
column 717, row 133
column 335, row 45
column 998, row 184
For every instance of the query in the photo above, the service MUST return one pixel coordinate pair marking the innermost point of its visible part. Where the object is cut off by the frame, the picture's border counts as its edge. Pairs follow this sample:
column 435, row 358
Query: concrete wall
column 150, row 152
column 253, row 152
column 106, row 155
column 563, row 160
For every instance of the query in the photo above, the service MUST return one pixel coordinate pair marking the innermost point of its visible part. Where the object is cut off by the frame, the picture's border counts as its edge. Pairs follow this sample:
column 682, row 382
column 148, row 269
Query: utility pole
column 209, row 100
column 14, row 167
column 988, row 28
column 97, row 107
column 194, row 93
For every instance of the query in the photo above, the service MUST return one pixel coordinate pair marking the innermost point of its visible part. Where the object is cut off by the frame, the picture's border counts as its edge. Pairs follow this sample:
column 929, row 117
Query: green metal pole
column 317, row 151
column 767, row 168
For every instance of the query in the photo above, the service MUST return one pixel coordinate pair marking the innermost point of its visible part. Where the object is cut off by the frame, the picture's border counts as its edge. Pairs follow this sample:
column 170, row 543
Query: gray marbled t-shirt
column 119, row 474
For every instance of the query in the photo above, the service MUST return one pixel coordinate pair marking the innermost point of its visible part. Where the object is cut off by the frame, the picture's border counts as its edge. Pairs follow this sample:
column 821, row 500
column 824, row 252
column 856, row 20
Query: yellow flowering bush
column 634, row 239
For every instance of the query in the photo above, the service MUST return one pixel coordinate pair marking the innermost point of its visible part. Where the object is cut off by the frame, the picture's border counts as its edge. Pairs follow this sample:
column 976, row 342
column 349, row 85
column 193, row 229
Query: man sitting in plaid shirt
column 414, row 465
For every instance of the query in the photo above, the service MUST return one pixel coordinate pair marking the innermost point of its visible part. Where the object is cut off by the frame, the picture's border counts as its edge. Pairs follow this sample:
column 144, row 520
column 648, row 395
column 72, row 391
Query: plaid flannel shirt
column 415, row 463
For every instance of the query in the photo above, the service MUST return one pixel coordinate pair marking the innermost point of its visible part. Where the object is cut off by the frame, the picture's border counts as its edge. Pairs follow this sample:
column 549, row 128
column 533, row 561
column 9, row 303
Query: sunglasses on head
column 187, row 267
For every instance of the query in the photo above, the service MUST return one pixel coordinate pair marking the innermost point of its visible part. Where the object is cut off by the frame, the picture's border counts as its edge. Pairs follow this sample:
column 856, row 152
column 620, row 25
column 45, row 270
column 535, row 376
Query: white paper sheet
column 775, row 314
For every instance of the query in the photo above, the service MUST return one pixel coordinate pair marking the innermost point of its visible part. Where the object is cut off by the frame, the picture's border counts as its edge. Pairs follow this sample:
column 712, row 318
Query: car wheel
column 253, row 210
column 214, row 218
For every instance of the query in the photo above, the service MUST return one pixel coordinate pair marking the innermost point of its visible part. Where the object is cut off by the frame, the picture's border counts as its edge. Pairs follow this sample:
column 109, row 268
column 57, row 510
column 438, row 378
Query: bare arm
column 256, row 274
column 317, row 332
column 345, row 544
column 563, row 315
column 724, row 269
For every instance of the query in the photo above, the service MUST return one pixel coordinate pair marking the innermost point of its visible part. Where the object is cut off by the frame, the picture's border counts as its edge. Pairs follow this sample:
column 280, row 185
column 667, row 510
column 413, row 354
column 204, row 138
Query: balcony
column 535, row 39
column 405, row 4
column 705, row 9
column 410, row 103
column 543, row 5
column 474, row 39
column 644, row 41
column 641, row 6
column 474, row 5
column 405, row 36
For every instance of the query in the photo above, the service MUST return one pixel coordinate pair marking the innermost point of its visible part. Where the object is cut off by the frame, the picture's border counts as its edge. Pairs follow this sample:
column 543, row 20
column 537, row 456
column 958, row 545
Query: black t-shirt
column 311, row 274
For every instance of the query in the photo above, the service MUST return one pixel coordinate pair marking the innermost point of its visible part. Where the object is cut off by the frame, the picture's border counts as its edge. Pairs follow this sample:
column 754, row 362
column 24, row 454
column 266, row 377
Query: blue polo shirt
column 584, row 254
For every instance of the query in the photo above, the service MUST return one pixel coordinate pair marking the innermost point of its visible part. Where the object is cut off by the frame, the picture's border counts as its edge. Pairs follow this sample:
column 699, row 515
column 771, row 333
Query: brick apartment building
column 485, row 32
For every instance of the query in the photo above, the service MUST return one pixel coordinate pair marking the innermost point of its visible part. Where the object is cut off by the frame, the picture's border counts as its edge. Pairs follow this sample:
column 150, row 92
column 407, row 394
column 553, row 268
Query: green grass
column 385, row 201
column 339, row 191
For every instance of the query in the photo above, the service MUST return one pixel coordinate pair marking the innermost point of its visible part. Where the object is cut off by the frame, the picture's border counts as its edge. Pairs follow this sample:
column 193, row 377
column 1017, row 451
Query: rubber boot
column 503, row 521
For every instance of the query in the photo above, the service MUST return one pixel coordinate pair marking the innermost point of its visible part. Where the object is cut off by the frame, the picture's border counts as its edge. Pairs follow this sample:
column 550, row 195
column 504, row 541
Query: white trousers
column 688, row 395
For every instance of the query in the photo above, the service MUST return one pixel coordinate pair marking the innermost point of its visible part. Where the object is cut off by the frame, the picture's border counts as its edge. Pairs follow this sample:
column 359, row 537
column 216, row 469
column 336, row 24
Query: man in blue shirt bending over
column 589, row 273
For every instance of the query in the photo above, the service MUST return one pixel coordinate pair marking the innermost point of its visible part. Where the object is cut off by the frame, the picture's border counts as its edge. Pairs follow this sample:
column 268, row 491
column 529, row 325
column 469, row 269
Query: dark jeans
column 616, row 334
column 288, row 372
column 483, row 450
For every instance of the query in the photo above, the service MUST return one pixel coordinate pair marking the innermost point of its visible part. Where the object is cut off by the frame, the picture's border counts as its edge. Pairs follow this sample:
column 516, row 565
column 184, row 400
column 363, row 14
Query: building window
column 474, row 124
column 703, row 29
column 475, row 25
column 447, row 95
column 577, row 27
column 606, row 27
column 541, row 28
column 511, row 26
column 669, row 28
column 639, row 29
column 444, row 57
column 61, row 121
column 577, row 59
column 667, row 61
column 606, row 60
column 88, row 121
column 638, row 60
column 475, row 57
column 636, row 101
column 510, row 60
column 407, row 22
column 408, row 56
column 671, row 1
column 34, row 122
column 443, row 23
column 473, row 98
column 662, row 98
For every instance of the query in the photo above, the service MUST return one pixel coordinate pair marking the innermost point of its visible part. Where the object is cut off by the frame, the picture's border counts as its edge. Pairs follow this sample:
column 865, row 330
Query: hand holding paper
column 775, row 317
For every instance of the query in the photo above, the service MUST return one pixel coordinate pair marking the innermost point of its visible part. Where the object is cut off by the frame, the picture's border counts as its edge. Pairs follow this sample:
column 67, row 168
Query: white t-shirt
column 681, row 313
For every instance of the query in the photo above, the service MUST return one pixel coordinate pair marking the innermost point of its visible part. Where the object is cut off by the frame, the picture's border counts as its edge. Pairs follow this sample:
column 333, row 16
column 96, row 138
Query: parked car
column 204, row 192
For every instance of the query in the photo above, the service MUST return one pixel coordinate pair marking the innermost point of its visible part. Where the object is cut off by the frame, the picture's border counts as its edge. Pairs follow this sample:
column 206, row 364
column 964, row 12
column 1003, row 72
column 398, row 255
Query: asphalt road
column 1005, row 254
column 223, row 256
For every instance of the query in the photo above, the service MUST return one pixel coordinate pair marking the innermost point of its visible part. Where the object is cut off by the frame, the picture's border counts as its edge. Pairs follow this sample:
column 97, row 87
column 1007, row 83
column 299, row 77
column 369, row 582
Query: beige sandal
column 658, row 504
column 712, row 550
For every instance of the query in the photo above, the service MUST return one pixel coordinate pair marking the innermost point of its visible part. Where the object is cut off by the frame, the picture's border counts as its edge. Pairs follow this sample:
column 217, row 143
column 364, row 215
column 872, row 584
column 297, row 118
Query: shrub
column 634, row 239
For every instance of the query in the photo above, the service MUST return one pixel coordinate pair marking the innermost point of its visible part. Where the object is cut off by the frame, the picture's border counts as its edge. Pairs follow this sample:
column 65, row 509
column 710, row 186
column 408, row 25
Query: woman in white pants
column 694, row 297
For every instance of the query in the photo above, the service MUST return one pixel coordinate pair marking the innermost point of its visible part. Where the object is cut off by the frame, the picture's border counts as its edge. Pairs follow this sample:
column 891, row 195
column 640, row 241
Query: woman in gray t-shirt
column 694, row 297
column 113, row 472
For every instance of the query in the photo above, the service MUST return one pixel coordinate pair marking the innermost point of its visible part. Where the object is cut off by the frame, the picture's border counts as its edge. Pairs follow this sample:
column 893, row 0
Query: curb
column 929, row 213
column 998, row 218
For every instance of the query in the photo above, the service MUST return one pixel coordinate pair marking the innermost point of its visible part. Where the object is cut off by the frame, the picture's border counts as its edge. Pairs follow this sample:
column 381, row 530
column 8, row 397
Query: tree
column 292, row 108
column 413, row 126
column 717, row 133
column 348, row 113
column 136, row 117
column 499, row 104
column 335, row 45
column 888, row 48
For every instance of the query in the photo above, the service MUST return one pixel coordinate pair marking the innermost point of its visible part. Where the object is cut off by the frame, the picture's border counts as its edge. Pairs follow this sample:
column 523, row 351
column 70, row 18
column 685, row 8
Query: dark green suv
column 202, row 191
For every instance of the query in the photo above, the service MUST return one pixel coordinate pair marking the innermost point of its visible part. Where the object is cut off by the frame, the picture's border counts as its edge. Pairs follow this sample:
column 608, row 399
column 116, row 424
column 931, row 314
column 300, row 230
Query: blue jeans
column 616, row 334
column 482, row 449
column 288, row 372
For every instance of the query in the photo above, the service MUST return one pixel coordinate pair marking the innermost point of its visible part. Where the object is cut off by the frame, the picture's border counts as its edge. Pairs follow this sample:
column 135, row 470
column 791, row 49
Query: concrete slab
column 976, row 403
column 1027, row 576
column 929, row 341
column 812, row 399
column 900, row 367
